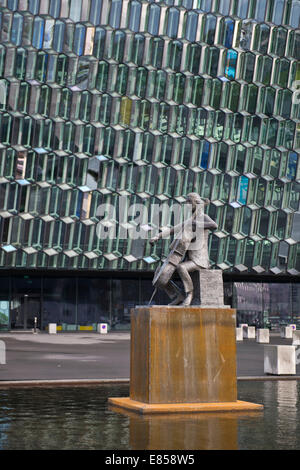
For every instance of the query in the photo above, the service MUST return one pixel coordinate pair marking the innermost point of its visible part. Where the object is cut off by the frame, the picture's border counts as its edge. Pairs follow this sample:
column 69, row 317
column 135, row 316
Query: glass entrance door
column 24, row 308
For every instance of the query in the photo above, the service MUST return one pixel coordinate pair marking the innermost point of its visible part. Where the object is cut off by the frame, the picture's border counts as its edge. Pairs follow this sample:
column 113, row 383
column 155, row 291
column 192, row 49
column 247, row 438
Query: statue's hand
column 154, row 240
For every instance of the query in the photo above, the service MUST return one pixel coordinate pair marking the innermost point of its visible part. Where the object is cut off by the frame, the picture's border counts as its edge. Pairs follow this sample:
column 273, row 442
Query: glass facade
column 74, row 301
column 103, row 99
column 71, row 301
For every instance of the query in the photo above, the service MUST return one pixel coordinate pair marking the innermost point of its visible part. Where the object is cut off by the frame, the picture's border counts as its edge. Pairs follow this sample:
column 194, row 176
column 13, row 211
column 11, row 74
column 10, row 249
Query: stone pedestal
column 2, row 353
column 52, row 328
column 208, row 288
column 183, row 359
column 296, row 338
column 239, row 334
column 249, row 332
column 102, row 328
column 286, row 332
column 263, row 335
column 280, row 360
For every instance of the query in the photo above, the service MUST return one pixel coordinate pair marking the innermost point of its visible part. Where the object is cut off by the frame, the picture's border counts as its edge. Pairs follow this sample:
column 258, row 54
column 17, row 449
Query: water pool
column 69, row 418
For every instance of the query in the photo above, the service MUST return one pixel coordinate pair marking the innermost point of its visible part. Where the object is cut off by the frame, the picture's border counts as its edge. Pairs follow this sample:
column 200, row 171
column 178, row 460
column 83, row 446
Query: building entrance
column 24, row 308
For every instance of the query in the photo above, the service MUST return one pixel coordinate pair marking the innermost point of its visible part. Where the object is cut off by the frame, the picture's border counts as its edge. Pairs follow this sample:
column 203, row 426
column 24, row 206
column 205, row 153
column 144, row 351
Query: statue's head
column 196, row 200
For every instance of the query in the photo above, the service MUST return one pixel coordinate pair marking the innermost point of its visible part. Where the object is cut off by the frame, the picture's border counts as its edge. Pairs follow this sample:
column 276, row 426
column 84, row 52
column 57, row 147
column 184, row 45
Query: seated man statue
column 188, row 252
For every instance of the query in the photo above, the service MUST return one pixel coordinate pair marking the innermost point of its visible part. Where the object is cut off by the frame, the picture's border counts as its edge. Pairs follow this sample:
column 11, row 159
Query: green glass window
column 193, row 58
column 109, row 141
column 174, row 55
column 261, row 38
column 62, row 69
column 41, row 66
column 153, row 19
column 166, row 149
column 209, row 29
column 58, row 36
column 246, row 221
column 197, row 92
column 65, row 103
column 102, row 76
column 281, row 224
column 44, row 101
column 117, row 46
column 99, row 42
column 191, row 24
column 250, row 98
column 163, row 117
column 172, row 20
column 267, row 100
column 156, row 52
column 105, row 109
column 221, row 156
column 181, row 121
column 88, row 140
column 23, row 97
column 278, row 41
column 247, row 66
column 137, row 49
column 68, row 137
column 284, row 103
column 20, row 64
column 115, row 13
column 179, row 88
column 200, row 122
column 141, row 82
column 226, row 32
column 135, row 14
column 160, row 84
column 211, row 61
column 38, row 32
column 264, row 70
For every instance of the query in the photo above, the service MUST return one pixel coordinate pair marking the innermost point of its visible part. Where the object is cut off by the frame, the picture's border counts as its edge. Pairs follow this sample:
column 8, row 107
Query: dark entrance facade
column 24, row 309
column 74, row 300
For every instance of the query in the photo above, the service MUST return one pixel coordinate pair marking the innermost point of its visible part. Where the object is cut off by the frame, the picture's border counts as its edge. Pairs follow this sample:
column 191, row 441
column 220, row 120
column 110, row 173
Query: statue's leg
column 183, row 270
column 174, row 293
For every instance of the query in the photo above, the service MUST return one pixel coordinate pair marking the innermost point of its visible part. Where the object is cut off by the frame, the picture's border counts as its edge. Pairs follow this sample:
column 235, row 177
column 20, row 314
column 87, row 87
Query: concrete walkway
column 86, row 357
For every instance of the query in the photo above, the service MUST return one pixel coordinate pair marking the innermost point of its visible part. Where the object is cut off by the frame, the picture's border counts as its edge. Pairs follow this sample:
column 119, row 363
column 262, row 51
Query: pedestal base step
column 155, row 408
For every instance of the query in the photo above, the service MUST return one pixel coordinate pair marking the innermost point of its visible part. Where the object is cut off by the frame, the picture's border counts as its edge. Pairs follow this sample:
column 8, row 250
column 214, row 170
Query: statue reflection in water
column 193, row 431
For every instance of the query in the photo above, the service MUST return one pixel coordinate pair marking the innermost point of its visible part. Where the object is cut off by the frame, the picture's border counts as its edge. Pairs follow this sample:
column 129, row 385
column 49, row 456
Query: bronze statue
column 188, row 252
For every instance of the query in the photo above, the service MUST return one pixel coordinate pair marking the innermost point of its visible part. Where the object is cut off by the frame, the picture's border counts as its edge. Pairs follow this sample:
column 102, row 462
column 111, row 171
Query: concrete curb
column 91, row 382
column 62, row 383
column 268, row 377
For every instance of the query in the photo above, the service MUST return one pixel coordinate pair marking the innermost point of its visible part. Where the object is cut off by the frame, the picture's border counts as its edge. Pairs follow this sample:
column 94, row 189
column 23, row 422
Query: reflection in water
column 79, row 418
column 287, row 399
column 194, row 431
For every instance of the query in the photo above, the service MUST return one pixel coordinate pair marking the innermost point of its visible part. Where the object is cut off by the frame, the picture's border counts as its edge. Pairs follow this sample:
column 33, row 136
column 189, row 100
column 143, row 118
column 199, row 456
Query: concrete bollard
column 262, row 335
column 296, row 338
column 102, row 328
column 52, row 329
column 239, row 334
column 286, row 332
column 2, row 353
column 280, row 360
column 249, row 332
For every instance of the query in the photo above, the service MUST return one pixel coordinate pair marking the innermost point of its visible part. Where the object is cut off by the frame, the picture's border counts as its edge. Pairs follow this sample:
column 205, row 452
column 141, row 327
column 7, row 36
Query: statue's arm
column 209, row 223
column 165, row 233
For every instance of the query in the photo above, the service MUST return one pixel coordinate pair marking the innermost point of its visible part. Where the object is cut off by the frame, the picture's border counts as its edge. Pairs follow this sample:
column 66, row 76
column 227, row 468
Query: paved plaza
column 93, row 357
